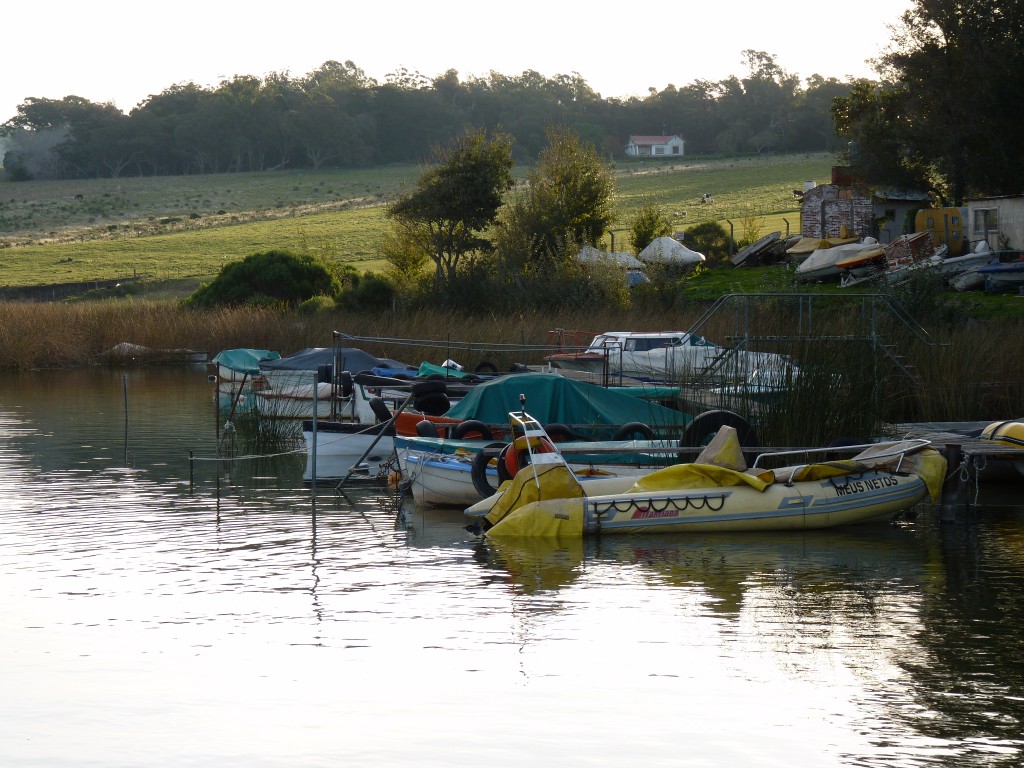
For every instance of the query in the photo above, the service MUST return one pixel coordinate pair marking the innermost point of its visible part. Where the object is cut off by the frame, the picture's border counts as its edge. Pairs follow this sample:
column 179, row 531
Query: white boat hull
column 295, row 401
column 339, row 447
column 447, row 478
column 443, row 480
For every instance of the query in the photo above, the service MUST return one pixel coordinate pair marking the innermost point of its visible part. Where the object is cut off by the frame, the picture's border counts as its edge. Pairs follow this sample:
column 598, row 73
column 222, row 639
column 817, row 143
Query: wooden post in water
column 953, row 486
column 124, row 385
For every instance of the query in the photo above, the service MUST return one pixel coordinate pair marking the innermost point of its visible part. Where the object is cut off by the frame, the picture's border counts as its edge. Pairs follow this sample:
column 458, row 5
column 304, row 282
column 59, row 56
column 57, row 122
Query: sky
column 110, row 51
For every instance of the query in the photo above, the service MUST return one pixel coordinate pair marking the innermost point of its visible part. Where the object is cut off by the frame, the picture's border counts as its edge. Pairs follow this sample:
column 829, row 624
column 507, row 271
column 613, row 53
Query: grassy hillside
column 189, row 227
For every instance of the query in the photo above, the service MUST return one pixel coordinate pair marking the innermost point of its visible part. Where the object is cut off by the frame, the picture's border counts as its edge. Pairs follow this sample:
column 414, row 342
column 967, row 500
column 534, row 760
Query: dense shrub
column 369, row 292
column 650, row 222
column 316, row 304
column 711, row 239
column 273, row 277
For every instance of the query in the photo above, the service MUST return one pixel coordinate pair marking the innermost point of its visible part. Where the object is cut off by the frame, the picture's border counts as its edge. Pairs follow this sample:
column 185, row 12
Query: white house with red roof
column 655, row 146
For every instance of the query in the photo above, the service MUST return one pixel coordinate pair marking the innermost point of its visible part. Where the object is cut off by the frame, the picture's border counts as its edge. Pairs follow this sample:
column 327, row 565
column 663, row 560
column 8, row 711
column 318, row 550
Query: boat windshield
column 650, row 343
column 602, row 343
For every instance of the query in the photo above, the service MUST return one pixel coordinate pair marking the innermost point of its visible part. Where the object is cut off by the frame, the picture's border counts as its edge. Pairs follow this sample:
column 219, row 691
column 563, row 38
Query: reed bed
column 846, row 388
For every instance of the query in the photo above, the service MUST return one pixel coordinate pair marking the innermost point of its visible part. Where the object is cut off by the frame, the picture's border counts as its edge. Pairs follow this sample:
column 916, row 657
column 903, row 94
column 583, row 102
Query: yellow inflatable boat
column 716, row 493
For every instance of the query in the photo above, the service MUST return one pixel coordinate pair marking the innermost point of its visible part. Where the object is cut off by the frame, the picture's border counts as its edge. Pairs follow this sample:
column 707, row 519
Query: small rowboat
column 826, row 262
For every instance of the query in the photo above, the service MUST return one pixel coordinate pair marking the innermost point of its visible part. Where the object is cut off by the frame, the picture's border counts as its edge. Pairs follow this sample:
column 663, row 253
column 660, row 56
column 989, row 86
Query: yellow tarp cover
column 555, row 482
column 930, row 466
column 554, row 518
column 688, row 476
column 724, row 450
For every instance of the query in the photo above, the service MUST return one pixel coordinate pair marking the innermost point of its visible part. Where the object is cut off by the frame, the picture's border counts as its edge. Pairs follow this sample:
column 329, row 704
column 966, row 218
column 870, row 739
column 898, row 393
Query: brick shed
column 828, row 208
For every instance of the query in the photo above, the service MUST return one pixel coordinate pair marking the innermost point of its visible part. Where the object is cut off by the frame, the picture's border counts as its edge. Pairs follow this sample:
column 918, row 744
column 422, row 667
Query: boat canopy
column 349, row 359
column 666, row 250
column 553, row 399
column 244, row 360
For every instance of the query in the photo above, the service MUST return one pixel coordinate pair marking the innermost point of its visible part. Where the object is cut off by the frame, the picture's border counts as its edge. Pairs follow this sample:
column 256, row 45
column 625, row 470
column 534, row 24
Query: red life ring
column 518, row 455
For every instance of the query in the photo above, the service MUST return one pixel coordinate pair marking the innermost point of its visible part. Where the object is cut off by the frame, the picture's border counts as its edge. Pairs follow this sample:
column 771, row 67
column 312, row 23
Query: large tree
column 950, row 98
column 458, row 198
column 571, row 191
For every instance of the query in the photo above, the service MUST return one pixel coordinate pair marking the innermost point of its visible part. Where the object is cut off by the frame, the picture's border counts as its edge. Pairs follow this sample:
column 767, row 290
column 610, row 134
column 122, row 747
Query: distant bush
column 650, row 222
column 274, row 277
column 316, row 304
column 369, row 292
column 711, row 239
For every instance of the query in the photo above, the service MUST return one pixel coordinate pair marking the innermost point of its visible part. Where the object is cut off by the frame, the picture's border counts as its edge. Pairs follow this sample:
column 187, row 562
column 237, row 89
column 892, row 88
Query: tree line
column 337, row 117
column 945, row 117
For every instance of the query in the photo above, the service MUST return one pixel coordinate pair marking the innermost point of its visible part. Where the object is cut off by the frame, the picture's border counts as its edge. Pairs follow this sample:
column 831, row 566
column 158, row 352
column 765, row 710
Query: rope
column 250, row 457
column 230, row 428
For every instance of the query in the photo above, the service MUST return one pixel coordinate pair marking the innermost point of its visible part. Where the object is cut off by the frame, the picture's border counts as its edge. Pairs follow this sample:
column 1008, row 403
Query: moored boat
column 716, row 493
column 1003, row 276
column 670, row 356
column 1008, row 433
column 457, row 472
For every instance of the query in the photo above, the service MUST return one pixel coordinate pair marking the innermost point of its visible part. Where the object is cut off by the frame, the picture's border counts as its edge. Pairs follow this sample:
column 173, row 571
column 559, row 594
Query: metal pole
column 383, row 431
column 316, row 407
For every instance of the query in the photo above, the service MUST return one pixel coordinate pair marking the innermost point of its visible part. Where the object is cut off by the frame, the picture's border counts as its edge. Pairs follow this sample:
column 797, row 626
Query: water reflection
column 143, row 602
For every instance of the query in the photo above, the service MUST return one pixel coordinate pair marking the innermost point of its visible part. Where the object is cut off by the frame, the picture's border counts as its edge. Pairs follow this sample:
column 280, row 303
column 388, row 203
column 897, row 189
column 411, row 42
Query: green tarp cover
column 426, row 369
column 551, row 399
column 648, row 393
column 244, row 360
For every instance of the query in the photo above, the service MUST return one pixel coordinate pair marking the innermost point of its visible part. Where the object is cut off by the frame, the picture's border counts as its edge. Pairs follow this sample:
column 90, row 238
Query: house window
column 675, row 149
column 986, row 220
column 659, row 150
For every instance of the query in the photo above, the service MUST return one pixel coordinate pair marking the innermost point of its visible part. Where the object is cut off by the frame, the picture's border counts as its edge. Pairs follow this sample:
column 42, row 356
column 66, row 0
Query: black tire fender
column 503, row 473
column 705, row 426
column 472, row 427
column 380, row 409
column 428, row 387
column 426, row 428
column 434, row 404
column 632, row 429
column 560, row 433
column 346, row 383
column 479, row 469
column 485, row 367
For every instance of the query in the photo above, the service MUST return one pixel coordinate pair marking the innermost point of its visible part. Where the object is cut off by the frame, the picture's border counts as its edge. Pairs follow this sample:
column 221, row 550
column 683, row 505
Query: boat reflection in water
column 241, row 620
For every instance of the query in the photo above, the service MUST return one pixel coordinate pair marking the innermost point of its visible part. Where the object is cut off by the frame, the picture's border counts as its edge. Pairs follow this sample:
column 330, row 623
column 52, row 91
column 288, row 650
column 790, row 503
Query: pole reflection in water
column 249, row 622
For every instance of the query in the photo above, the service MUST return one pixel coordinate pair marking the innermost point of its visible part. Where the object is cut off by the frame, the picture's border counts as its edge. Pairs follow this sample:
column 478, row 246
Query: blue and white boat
column 1004, row 276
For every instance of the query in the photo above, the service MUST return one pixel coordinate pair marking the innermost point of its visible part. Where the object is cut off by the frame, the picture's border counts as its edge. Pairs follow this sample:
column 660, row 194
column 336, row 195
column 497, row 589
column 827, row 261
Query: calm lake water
column 241, row 622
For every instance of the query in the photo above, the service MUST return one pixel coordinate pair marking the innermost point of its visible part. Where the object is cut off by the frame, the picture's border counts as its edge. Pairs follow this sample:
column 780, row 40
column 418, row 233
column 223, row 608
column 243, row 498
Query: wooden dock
column 970, row 460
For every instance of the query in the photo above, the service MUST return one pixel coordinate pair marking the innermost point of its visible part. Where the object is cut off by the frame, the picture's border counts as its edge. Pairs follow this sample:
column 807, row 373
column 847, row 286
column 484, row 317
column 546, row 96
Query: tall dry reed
column 846, row 387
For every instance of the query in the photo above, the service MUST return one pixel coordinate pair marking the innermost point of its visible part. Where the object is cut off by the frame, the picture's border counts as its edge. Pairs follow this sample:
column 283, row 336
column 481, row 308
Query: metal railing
column 867, row 313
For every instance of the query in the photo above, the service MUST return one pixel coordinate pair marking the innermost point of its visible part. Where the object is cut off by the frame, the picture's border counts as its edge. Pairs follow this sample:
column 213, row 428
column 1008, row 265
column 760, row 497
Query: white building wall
column 999, row 220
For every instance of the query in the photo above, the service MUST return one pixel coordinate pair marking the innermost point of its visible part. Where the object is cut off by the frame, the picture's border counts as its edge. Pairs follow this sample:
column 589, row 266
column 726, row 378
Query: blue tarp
column 556, row 399
column 349, row 359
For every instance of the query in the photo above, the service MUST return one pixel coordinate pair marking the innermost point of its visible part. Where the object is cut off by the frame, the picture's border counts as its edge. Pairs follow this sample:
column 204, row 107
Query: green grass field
column 188, row 227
